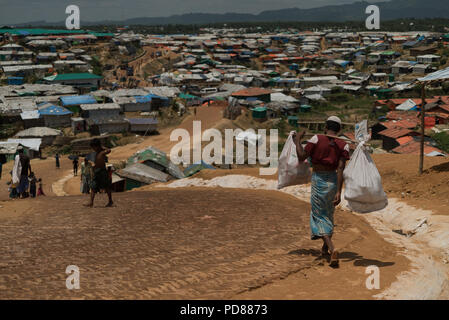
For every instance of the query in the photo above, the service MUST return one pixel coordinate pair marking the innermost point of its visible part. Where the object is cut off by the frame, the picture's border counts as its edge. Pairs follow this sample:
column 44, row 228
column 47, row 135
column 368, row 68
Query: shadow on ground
column 359, row 261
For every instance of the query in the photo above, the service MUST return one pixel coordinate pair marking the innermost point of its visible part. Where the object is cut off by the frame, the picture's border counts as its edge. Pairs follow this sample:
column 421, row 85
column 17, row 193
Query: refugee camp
column 248, row 151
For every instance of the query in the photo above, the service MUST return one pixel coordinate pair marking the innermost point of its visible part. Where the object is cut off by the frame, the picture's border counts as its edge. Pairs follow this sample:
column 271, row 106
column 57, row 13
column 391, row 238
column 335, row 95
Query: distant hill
column 395, row 9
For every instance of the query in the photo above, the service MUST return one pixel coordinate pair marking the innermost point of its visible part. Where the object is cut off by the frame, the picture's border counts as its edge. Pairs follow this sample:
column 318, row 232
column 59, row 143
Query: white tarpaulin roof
column 280, row 97
column 8, row 147
column 438, row 75
column 407, row 105
column 435, row 154
column 27, row 115
column 39, row 132
column 249, row 137
column 33, row 144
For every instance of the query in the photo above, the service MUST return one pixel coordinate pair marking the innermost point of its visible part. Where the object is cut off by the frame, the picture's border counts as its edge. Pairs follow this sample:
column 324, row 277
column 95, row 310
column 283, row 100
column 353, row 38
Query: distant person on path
column 75, row 166
column 328, row 156
column 40, row 191
column 33, row 182
column 100, row 179
column 25, row 167
column 2, row 162
column 86, row 176
column 57, row 160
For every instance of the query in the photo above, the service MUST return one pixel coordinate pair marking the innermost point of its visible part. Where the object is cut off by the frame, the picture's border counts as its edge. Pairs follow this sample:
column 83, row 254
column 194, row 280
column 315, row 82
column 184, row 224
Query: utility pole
column 423, row 111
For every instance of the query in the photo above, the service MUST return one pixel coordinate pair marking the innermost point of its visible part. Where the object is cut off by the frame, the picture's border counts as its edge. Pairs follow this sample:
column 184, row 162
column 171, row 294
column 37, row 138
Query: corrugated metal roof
column 142, row 121
column 404, row 140
column 100, row 106
column 250, row 92
column 72, row 76
column 395, row 132
column 413, row 147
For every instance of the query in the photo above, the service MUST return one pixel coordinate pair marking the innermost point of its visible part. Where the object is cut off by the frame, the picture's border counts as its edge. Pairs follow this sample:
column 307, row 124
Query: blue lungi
column 324, row 189
column 23, row 184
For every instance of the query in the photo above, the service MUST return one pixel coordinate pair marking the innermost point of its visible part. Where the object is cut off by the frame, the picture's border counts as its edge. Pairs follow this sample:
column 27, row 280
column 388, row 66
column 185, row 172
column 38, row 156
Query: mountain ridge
column 394, row 9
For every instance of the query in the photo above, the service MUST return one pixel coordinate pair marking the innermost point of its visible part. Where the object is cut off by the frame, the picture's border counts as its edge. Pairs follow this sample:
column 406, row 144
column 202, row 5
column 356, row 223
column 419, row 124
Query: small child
column 40, row 191
column 12, row 190
column 33, row 181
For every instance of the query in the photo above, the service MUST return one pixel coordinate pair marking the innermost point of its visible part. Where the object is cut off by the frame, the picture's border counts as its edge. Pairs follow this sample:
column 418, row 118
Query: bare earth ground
column 193, row 242
column 164, row 244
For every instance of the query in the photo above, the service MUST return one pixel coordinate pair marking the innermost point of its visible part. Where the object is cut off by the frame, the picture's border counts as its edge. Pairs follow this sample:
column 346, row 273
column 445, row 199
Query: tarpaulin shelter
column 139, row 174
column 73, row 102
column 197, row 167
column 156, row 159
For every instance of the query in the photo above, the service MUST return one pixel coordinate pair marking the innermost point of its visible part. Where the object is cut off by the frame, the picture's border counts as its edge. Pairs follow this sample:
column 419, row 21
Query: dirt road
column 186, row 243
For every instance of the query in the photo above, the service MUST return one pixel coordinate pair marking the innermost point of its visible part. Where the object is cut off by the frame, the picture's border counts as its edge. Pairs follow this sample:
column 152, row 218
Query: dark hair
column 95, row 143
column 332, row 125
column 20, row 150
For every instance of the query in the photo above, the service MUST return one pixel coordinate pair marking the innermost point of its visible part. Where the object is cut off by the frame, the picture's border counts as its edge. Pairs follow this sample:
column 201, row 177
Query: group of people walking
column 94, row 178
column 24, row 183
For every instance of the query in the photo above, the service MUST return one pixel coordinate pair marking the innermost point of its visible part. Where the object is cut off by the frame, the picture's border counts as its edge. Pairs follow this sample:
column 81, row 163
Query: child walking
column 32, row 185
column 40, row 191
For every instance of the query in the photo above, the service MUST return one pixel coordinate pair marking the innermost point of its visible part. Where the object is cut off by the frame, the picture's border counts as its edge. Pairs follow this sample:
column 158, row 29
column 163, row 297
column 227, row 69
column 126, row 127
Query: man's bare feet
column 110, row 204
column 89, row 205
column 334, row 263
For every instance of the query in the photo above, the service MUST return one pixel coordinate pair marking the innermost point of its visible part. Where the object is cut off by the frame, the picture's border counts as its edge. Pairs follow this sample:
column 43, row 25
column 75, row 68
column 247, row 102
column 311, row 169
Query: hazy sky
column 19, row 11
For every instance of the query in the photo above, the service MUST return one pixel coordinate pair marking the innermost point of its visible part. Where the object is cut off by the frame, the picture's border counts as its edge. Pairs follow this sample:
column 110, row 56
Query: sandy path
column 426, row 243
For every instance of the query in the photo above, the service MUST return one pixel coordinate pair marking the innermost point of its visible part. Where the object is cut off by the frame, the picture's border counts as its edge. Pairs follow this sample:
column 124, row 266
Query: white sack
column 17, row 170
column 290, row 171
column 363, row 183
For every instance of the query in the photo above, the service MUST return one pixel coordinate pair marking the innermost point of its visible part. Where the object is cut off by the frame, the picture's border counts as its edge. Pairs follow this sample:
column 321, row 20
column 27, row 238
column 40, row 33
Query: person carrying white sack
column 328, row 156
column 363, row 183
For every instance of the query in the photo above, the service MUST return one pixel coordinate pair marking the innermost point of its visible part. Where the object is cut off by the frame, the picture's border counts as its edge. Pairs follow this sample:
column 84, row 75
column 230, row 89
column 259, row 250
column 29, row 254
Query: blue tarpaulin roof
column 410, row 43
column 77, row 100
column 142, row 99
column 438, row 75
column 49, row 109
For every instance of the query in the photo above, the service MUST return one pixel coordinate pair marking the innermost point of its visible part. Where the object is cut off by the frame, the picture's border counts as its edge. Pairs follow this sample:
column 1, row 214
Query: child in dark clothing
column 40, row 191
column 33, row 181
